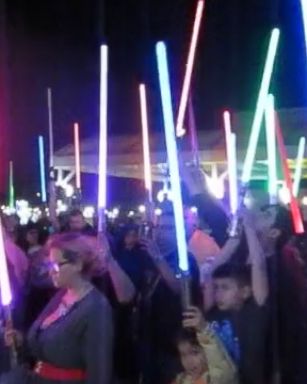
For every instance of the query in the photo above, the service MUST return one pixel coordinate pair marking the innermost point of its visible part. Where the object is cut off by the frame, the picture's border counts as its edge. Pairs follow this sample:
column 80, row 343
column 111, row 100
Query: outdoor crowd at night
column 152, row 221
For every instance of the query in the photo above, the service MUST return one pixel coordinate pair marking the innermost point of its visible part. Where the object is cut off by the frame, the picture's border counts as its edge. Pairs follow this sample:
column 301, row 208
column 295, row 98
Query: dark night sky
column 56, row 43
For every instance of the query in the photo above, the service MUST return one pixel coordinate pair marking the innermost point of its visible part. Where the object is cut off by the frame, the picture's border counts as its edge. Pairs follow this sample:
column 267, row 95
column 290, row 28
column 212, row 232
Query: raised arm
column 260, row 285
column 122, row 284
column 209, row 209
column 166, row 272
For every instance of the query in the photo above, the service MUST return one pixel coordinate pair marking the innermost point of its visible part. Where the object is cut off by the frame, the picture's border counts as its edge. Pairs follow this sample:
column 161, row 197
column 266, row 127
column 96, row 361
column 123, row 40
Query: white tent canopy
column 125, row 155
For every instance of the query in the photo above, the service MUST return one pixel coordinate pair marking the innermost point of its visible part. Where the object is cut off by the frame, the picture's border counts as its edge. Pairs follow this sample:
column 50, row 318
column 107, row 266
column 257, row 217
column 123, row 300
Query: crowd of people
column 107, row 309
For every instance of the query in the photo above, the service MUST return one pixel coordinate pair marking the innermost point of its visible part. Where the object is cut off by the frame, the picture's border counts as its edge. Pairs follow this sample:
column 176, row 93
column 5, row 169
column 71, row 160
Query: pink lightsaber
column 180, row 131
column 231, row 163
column 6, row 293
column 146, row 149
column 77, row 155
column 103, row 124
column 295, row 211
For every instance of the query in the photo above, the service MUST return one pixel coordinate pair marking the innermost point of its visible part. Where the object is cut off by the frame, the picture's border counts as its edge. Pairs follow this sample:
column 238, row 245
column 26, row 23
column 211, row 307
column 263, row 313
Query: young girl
column 202, row 356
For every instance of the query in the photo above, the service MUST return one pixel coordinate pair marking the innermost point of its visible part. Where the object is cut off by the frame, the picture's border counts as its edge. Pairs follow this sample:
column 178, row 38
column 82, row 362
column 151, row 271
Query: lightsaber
column 51, row 186
column 260, row 107
column 102, row 165
column 77, row 156
column 295, row 212
column 50, row 126
column 6, row 292
column 146, row 149
column 299, row 166
column 231, row 163
column 172, row 155
column 304, row 14
column 11, row 185
column 180, row 131
column 41, row 152
column 6, row 296
column 193, row 133
column 271, row 148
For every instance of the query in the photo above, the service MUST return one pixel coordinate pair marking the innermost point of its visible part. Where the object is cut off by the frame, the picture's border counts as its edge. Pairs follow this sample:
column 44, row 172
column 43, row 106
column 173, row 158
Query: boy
column 240, row 316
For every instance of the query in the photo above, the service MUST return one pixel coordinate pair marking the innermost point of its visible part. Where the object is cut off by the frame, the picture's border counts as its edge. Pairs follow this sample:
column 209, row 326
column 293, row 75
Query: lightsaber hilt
column 234, row 228
column 76, row 202
column 185, row 286
column 13, row 346
column 101, row 226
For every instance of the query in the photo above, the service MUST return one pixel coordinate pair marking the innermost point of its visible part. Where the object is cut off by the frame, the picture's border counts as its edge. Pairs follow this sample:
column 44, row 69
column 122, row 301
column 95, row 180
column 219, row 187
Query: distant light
column 164, row 194
column 9, row 211
column 158, row 211
column 131, row 213
column 142, row 209
column 216, row 187
column 304, row 200
column 23, row 211
column 61, row 207
column 69, row 190
column 284, row 194
column 88, row 212
column 194, row 210
column 115, row 212
column 38, row 194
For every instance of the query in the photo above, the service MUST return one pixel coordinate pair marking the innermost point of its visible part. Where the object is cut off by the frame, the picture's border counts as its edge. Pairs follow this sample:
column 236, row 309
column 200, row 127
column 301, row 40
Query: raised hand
column 193, row 318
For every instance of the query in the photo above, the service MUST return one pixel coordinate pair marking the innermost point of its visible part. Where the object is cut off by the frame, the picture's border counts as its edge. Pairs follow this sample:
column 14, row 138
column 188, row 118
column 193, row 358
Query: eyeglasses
column 57, row 266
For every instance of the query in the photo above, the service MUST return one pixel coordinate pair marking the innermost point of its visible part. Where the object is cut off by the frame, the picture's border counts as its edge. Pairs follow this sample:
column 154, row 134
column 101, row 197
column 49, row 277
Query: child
column 240, row 316
column 202, row 356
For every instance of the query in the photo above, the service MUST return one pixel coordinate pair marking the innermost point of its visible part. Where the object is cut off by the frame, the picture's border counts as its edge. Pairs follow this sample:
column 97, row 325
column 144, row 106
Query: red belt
column 50, row 372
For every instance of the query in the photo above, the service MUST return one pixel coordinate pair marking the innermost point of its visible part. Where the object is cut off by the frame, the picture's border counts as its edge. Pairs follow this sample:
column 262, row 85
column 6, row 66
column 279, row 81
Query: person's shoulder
column 253, row 311
column 96, row 302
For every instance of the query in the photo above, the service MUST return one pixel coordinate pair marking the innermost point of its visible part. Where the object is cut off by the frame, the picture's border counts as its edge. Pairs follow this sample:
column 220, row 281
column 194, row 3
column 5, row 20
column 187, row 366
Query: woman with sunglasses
column 72, row 339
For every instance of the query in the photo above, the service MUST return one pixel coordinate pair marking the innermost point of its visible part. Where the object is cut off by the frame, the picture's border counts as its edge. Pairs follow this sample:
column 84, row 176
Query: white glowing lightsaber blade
column 304, row 14
column 50, row 127
column 146, row 149
column 260, row 108
column 231, row 163
column 172, row 154
column 5, row 288
column 102, row 165
column 77, row 155
column 189, row 69
column 271, row 148
column 299, row 166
